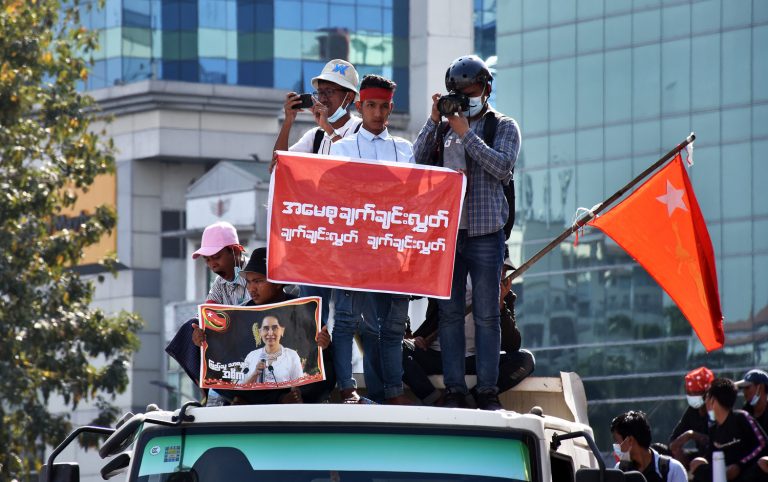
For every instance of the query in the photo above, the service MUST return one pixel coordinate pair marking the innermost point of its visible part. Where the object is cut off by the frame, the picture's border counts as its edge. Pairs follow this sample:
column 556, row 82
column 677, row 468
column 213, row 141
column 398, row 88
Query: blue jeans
column 384, row 326
column 380, row 319
column 482, row 258
column 348, row 316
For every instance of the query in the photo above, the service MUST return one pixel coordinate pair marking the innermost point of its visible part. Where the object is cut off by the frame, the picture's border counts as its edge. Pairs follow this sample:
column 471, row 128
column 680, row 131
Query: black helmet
column 466, row 71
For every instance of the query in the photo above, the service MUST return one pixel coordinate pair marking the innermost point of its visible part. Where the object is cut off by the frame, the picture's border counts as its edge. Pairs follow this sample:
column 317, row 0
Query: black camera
column 452, row 103
column 306, row 102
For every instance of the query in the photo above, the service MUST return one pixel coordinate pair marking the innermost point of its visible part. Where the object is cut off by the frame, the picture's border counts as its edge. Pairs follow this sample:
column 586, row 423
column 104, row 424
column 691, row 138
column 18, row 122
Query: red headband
column 376, row 93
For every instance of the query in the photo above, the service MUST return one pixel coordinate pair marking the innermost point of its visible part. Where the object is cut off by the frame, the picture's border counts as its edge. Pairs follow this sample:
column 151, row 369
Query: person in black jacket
column 735, row 433
column 693, row 426
column 422, row 355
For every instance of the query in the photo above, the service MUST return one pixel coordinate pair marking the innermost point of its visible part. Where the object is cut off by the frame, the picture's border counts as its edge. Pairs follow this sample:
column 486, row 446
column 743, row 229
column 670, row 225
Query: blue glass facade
column 264, row 43
column 601, row 90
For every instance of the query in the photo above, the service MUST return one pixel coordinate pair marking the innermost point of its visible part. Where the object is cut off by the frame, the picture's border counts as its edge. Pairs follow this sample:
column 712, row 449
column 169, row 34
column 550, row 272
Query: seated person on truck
column 754, row 386
column 693, row 425
column 632, row 444
column 224, row 255
column 421, row 354
column 735, row 433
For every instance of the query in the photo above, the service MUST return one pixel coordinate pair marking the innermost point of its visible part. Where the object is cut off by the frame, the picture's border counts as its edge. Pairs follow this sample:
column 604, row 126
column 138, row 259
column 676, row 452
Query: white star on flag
column 673, row 199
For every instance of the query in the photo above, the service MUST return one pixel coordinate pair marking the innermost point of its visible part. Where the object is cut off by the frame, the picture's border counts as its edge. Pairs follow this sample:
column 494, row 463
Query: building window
column 174, row 244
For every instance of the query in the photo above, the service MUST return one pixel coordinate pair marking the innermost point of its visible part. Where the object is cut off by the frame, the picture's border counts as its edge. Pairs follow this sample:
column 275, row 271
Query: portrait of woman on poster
column 272, row 362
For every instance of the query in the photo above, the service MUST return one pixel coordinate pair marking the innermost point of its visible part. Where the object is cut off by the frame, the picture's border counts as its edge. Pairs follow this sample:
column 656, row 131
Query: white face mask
column 711, row 415
column 340, row 112
column 695, row 401
column 621, row 455
column 476, row 105
column 756, row 398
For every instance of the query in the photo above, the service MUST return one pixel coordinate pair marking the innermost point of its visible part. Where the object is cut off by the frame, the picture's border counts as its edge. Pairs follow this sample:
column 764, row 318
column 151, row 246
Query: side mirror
column 122, row 438
column 63, row 472
column 116, row 466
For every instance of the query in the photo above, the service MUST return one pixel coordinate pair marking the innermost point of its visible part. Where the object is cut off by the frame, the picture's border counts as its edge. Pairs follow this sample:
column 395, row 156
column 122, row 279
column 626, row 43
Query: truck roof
column 373, row 414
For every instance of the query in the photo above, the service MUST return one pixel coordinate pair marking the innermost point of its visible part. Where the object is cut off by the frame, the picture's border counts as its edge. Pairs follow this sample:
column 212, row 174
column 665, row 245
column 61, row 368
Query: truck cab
column 338, row 442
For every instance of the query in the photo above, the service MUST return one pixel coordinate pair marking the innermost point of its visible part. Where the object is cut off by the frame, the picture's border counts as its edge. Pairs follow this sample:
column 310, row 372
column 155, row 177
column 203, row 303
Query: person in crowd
column 272, row 362
column 735, row 433
column 421, row 354
column 481, row 239
column 335, row 91
column 693, row 426
column 224, row 255
column 754, row 386
column 384, row 324
column 632, row 445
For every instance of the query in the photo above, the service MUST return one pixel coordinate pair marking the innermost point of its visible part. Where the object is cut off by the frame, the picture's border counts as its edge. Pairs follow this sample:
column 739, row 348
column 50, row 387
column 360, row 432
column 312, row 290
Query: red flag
column 661, row 226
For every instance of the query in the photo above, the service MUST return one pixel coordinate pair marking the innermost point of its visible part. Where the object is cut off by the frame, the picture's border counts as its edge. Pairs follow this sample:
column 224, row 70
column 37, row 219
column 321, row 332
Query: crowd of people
column 710, row 424
column 473, row 332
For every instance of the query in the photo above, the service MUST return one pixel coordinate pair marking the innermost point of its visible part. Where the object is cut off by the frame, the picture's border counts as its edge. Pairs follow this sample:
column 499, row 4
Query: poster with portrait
column 261, row 347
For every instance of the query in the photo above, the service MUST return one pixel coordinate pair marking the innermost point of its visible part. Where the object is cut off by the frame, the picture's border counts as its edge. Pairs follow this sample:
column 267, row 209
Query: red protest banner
column 363, row 225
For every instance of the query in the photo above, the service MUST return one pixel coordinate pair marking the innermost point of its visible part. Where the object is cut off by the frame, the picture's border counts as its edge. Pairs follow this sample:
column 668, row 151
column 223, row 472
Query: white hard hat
column 340, row 72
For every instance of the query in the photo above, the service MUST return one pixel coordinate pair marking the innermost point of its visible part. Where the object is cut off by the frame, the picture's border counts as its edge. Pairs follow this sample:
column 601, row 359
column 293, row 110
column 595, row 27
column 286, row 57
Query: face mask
column 711, row 415
column 621, row 455
column 340, row 112
column 695, row 401
column 476, row 105
column 755, row 399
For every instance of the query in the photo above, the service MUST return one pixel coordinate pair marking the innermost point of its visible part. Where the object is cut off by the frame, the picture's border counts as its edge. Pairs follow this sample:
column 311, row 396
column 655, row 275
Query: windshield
column 304, row 456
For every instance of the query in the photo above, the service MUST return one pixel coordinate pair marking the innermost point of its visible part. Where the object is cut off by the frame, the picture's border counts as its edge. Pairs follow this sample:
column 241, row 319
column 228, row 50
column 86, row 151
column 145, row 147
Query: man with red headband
column 693, row 426
column 383, row 315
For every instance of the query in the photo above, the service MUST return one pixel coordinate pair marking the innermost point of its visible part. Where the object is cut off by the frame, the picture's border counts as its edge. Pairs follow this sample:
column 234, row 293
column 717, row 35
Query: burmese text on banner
column 661, row 226
column 363, row 225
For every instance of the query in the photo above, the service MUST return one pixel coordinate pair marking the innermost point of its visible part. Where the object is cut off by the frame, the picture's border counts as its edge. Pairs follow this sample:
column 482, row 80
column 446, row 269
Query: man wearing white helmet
column 335, row 91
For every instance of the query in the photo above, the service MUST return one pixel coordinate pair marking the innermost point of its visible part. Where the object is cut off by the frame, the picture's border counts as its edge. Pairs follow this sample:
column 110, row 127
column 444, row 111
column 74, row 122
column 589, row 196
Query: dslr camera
column 452, row 103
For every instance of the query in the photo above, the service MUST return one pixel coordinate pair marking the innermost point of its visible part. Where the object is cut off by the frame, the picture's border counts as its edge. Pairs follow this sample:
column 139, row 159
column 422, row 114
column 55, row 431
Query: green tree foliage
column 55, row 347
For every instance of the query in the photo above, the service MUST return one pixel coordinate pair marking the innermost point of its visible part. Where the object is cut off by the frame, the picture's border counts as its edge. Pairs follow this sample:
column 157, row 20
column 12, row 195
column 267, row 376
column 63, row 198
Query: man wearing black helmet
column 463, row 142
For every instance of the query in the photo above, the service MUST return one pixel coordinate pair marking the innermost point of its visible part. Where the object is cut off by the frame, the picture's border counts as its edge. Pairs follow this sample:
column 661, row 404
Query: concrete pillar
column 440, row 31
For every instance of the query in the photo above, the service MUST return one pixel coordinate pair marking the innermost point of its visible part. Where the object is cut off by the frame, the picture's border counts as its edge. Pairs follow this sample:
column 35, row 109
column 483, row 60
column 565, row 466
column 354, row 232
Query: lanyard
column 394, row 146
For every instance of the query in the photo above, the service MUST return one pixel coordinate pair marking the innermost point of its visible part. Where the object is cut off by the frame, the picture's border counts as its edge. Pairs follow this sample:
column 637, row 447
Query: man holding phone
column 335, row 91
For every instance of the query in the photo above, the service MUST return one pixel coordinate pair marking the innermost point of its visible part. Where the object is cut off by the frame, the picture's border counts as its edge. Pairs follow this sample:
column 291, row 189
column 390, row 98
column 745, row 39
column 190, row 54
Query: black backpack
column 319, row 138
column 489, row 135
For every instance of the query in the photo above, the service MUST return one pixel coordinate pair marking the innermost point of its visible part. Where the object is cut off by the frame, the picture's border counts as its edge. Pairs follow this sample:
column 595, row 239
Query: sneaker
column 454, row 400
column 488, row 401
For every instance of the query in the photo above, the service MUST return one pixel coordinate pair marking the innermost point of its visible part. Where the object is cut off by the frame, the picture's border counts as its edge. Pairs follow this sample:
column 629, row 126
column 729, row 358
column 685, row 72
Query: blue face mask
column 340, row 112
column 476, row 105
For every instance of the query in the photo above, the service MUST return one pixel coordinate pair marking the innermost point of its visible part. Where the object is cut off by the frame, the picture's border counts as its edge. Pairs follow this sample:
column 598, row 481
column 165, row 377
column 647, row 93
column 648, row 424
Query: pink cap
column 216, row 237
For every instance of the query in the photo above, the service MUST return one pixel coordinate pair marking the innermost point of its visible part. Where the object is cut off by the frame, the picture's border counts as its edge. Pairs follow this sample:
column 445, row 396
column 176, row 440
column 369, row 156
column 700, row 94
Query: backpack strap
column 492, row 119
column 357, row 129
column 664, row 467
column 318, row 140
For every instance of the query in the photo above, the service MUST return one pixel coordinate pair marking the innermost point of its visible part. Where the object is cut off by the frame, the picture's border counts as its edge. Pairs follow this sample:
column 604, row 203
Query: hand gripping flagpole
column 590, row 214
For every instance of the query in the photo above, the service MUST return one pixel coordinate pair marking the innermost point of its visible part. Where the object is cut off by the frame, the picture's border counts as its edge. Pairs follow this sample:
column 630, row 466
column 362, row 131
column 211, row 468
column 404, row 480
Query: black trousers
column 418, row 364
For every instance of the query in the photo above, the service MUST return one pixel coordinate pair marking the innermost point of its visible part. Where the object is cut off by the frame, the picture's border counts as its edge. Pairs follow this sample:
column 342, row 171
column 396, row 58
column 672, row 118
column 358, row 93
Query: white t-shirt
column 381, row 147
column 307, row 141
column 285, row 367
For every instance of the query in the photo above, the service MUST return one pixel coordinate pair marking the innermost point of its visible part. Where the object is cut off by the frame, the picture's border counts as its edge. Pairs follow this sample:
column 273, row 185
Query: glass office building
column 262, row 43
column 601, row 90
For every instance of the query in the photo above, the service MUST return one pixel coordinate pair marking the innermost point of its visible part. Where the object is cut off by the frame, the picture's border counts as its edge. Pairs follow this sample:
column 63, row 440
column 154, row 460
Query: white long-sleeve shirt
column 381, row 147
